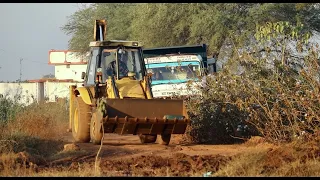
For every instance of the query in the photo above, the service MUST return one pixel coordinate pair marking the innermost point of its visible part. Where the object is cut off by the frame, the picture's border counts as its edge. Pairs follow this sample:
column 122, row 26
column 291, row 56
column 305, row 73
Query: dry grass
column 311, row 168
column 288, row 159
column 33, row 138
column 270, row 163
column 36, row 131
column 12, row 165
column 45, row 120
column 74, row 170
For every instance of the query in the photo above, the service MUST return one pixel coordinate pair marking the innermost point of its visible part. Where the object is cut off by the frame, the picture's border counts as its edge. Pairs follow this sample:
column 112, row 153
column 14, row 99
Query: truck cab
column 176, row 68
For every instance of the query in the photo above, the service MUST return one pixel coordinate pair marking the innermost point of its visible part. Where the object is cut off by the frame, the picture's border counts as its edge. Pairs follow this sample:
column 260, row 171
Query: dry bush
column 38, row 129
column 280, row 104
column 8, row 109
column 288, row 101
column 43, row 120
column 216, row 116
column 274, row 95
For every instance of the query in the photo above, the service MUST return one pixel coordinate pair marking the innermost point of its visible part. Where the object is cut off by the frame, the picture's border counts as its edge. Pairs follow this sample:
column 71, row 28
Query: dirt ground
column 126, row 156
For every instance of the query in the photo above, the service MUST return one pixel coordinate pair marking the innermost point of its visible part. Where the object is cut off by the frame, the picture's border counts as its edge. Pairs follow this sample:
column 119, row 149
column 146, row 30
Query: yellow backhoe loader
column 116, row 96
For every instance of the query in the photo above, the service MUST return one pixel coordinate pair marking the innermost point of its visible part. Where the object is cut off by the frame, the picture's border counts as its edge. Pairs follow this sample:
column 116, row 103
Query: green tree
column 161, row 24
column 80, row 24
column 171, row 24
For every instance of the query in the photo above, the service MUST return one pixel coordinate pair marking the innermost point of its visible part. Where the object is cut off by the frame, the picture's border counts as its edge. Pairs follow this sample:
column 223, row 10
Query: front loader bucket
column 145, row 116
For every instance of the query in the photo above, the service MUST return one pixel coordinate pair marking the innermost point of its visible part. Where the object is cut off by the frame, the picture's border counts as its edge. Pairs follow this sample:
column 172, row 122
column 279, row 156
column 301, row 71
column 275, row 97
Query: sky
column 29, row 31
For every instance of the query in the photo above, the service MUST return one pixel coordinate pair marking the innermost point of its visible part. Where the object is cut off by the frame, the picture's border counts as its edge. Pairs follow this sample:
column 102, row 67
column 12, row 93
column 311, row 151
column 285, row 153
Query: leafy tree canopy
column 172, row 24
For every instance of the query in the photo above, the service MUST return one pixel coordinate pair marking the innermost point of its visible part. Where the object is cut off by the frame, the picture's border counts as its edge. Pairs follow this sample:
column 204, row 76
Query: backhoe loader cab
column 116, row 96
column 119, row 59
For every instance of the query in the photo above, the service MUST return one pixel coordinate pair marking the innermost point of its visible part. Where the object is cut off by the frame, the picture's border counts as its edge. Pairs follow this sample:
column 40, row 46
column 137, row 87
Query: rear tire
column 165, row 139
column 147, row 138
column 95, row 128
column 80, row 121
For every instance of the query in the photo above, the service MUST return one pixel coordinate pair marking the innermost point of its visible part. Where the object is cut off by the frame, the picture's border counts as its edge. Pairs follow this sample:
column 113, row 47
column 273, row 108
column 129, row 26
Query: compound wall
column 26, row 93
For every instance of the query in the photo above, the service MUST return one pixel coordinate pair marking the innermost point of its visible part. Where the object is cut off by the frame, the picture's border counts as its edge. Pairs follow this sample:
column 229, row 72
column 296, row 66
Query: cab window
column 92, row 67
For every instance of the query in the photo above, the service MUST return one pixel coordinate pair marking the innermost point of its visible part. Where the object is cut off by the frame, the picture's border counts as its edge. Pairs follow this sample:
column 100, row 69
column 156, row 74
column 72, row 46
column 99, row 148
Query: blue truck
column 174, row 67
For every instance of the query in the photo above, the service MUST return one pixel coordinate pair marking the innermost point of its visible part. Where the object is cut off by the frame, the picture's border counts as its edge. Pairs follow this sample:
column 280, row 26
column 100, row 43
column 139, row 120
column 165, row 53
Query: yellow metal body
column 129, row 88
column 134, row 111
column 86, row 94
column 71, row 106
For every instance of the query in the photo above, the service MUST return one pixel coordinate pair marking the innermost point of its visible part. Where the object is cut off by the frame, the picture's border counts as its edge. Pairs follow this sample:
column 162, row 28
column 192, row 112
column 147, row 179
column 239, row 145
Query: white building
column 68, row 68
column 68, row 64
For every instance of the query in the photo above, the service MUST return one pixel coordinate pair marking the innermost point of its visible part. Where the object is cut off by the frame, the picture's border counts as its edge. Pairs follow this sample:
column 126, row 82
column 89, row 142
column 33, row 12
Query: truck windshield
column 174, row 72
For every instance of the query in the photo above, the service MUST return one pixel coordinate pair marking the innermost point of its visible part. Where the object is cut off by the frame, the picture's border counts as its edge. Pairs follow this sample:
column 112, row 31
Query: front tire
column 80, row 121
column 165, row 139
column 95, row 128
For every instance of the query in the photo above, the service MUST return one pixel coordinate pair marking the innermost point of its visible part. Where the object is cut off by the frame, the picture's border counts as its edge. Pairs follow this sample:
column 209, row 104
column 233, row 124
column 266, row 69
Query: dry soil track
column 126, row 156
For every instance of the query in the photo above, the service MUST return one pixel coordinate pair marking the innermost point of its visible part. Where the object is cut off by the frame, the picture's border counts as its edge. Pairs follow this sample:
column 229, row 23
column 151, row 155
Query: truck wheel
column 147, row 138
column 95, row 128
column 165, row 139
column 80, row 121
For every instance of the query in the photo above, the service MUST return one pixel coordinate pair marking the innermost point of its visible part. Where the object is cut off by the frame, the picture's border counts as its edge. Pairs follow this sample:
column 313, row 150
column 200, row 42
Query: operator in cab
column 123, row 69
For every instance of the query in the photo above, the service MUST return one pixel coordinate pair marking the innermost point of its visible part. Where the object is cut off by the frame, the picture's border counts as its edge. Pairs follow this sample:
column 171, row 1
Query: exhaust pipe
column 100, row 29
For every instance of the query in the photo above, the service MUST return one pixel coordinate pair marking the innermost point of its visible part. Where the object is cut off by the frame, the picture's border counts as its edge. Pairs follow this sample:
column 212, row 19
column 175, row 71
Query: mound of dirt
column 71, row 147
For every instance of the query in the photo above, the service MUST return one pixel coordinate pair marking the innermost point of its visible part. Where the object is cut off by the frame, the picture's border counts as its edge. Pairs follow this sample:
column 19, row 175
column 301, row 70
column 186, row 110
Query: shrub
column 8, row 108
column 36, row 129
column 275, row 96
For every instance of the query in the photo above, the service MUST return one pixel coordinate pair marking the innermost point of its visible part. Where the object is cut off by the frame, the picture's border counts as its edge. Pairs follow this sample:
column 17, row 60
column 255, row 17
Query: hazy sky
column 29, row 31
